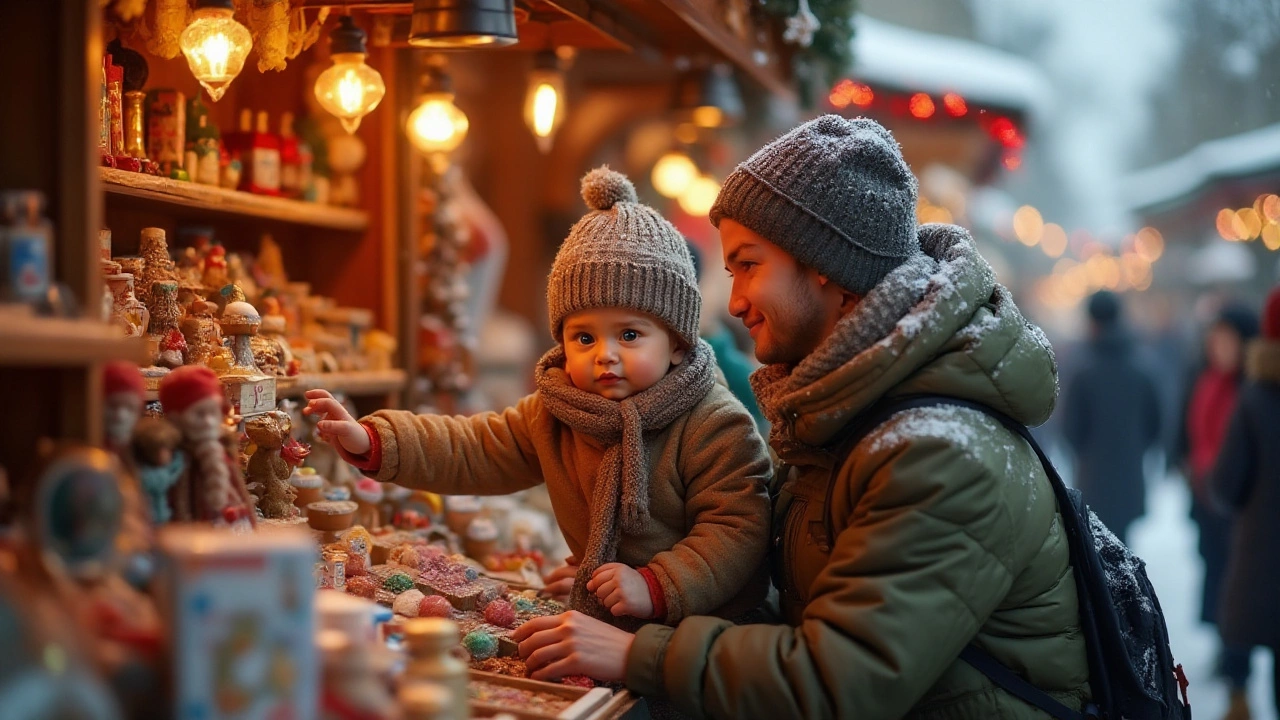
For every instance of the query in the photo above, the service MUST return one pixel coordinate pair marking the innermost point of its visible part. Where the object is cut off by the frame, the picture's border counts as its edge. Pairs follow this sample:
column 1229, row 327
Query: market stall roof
column 1249, row 154
column 899, row 57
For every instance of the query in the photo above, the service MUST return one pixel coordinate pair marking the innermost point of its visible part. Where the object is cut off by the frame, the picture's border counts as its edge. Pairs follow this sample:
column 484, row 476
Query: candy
column 480, row 644
column 435, row 606
column 500, row 613
column 362, row 586
column 408, row 603
column 581, row 681
column 398, row 583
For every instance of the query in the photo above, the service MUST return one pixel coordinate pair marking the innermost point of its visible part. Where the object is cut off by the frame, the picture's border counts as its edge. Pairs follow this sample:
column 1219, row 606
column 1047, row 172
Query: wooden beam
column 697, row 16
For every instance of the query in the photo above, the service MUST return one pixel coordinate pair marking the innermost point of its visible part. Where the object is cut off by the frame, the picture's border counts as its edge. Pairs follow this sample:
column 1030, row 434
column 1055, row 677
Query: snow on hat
column 624, row 254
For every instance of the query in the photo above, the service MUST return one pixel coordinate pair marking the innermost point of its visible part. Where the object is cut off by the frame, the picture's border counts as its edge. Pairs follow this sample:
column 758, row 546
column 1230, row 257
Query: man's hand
column 560, row 581
column 623, row 590
column 573, row 644
column 336, row 426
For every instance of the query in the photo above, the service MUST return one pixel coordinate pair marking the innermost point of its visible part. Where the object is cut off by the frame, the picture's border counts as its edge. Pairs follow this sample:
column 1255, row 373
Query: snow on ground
column 1166, row 539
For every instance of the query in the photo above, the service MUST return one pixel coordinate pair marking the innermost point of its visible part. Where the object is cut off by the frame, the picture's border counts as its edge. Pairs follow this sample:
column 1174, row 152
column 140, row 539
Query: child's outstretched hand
column 560, row 581
column 623, row 590
column 336, row 426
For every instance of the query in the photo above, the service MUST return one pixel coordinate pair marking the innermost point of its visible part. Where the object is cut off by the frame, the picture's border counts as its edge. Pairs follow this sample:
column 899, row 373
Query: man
column 937, row 530
column 1111, row 418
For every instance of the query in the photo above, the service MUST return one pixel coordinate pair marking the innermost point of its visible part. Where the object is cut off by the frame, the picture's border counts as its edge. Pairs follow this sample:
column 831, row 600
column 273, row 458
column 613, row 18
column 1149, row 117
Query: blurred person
column 1111, row 417
column 734, row 364
column 1246, row 482
column 1210, row 402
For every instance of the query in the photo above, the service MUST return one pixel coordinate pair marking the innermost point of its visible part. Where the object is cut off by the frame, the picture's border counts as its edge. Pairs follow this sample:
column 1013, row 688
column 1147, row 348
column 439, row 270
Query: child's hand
column 623, row 590
column 560, row 581
column 336, row 426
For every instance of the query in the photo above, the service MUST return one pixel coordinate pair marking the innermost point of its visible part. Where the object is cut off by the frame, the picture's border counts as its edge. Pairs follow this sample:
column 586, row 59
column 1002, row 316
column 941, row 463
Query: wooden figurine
column 203, row 335
column 123, row 395
column 157, row 267
column 267, row 469
column 211, row 488
column 159, row 463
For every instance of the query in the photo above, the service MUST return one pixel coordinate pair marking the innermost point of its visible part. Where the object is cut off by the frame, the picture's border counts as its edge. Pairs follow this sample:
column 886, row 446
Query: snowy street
column 1166, row 539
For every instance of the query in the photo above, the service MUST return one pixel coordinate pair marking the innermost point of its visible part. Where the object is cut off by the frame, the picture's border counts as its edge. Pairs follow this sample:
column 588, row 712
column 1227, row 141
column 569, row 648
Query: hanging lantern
column 673, row 173
column 436, row 125
column 544, row 104
column 711, row 99
column 350, row 89
column 463, row 23
column 215, row 45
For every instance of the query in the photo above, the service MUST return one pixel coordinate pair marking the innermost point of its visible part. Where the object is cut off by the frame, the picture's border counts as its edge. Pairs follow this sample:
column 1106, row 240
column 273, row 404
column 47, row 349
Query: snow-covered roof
column 1250, row 153
column 897, row 56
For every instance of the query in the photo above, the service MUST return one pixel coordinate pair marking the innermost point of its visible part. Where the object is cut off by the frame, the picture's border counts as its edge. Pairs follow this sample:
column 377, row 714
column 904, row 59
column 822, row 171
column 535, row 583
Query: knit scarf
column 877, row 315
column 620, row 502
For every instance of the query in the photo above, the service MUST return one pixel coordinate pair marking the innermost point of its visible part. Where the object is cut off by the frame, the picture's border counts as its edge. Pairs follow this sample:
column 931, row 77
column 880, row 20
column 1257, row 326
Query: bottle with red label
column 262, row 160
column 27, row 248
column 290, row 159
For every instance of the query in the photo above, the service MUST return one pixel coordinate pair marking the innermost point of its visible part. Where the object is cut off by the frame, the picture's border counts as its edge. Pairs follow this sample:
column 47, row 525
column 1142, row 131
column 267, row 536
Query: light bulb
column 350, row 89
column 437, row 125
column 701, row 194
column 673, row 173
column 544, row 106
column 215, row 46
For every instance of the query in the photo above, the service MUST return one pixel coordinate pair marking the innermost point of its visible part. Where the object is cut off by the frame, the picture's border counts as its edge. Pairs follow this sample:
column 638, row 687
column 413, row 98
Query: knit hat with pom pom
column 623, row 254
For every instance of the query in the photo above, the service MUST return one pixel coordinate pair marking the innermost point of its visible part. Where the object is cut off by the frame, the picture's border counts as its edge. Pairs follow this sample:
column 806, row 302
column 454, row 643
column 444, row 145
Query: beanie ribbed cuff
column 755, row 205
column 656, row 290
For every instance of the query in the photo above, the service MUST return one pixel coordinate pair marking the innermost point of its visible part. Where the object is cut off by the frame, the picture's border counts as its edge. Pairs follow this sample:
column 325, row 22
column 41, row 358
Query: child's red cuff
column 370, row 462
column 656, row 596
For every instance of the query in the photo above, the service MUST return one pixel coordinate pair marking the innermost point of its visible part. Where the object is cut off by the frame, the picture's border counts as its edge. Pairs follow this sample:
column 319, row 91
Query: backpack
column 1131, row 669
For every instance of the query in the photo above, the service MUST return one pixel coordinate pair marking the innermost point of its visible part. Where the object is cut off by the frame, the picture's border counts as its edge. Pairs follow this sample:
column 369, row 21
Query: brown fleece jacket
column 708, row 510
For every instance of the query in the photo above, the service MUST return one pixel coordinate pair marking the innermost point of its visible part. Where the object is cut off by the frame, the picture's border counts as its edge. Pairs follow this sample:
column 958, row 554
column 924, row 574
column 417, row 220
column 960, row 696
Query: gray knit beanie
column 835, row 194
column 623, row 254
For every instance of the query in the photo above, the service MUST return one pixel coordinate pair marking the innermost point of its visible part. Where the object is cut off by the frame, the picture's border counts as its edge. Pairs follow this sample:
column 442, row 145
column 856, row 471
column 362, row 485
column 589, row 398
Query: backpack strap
column 995, row 670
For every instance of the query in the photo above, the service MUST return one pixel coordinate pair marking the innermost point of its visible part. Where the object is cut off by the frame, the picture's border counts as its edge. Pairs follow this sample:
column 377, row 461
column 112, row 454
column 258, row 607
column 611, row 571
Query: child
column 656, row 473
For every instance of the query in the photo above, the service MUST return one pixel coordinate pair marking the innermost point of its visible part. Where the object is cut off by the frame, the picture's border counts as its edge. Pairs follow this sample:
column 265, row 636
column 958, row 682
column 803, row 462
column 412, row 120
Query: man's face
column 788, row 308
column 616, row 353
column 202, row 421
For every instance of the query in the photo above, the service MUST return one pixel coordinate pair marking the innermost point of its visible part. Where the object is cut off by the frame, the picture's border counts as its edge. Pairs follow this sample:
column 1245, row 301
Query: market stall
column 212, row 207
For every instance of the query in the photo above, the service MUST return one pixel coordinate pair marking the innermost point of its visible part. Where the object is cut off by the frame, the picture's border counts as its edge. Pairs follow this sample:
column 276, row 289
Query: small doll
column 155, row 443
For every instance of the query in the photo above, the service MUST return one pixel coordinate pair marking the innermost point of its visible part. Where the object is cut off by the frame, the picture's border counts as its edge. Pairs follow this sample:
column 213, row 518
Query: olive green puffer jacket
column 945, row 530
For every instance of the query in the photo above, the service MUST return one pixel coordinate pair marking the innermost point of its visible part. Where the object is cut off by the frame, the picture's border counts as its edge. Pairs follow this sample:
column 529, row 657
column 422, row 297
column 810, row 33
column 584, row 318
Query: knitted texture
column 835, row 194
column 623, row 254
column 621, row 502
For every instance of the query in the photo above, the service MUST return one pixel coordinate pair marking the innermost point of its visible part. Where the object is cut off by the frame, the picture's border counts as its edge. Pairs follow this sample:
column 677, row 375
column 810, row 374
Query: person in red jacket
column 1211, row 402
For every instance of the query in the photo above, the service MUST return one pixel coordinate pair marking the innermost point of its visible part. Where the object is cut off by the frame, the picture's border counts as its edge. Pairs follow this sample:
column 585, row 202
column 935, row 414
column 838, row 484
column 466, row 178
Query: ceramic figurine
column 267, row 469
column 159, row 463
column 172, row 349
column 215, row 268
column 250, row 389
column 157, row 267
column 123, row 394
column 203, row 334
column 211, row 488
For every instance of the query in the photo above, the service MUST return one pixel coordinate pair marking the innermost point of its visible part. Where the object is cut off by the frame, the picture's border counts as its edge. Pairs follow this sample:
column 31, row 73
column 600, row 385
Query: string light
column 215, row 45
column 349, row 89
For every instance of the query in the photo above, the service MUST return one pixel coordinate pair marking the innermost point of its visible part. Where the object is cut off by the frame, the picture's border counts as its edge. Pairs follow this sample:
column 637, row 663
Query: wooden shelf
column 198, row 199
column 38, row 341
column 371, row 382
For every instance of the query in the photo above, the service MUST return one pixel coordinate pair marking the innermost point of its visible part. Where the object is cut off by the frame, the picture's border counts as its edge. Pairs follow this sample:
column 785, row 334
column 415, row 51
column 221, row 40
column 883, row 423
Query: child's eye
column 630, row 335
column 585, row 338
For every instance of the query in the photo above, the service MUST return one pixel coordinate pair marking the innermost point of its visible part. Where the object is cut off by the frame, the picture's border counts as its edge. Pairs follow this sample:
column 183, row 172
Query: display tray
column 533, row 699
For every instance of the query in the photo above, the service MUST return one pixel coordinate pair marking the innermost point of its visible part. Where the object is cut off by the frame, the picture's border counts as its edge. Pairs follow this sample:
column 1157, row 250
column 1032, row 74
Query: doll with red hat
column 212, row 489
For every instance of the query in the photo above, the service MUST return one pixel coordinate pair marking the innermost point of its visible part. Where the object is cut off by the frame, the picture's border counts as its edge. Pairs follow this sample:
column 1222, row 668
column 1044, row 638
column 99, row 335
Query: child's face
column 616, row 353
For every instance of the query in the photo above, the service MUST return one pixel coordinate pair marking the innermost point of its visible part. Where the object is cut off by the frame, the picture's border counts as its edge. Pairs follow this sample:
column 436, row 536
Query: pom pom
column 500, row 613
column 398, row 583
column 407, row 603
column 435, row 606
column 480, row 644
column 524, row 604
column 603, row 188
column 471, row 573
column 362, row 586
